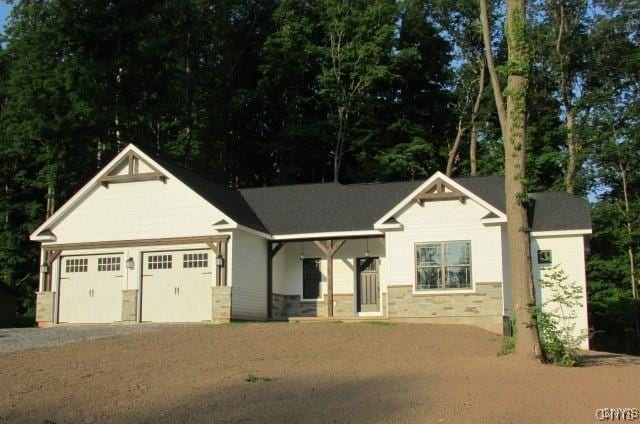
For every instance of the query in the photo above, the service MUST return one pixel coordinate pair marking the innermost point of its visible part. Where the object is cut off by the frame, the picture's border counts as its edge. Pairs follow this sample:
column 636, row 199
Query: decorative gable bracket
column 132, row 168
column 439, row 190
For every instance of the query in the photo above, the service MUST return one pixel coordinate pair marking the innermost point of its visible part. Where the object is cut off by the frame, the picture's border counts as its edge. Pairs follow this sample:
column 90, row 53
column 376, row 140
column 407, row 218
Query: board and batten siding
column 448, row 220
column 139, row 210
column 568, row 254
column 249, row 285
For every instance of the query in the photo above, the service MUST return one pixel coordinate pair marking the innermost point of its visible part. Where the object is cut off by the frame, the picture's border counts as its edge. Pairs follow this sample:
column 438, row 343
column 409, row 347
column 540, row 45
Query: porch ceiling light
column 130, row 263
column 219, row 261
column 44, row 268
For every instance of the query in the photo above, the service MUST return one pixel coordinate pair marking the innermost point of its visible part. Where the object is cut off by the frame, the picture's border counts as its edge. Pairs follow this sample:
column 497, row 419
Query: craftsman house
column 146, row 240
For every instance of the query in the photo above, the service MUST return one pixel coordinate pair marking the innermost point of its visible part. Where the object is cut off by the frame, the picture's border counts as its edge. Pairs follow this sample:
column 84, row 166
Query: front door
column 368, row 285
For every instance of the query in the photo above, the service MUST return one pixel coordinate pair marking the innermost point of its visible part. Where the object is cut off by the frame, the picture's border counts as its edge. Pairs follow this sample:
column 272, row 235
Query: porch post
column 223, row 268
column 330, row 279
column 272, row 251
column 330, row 249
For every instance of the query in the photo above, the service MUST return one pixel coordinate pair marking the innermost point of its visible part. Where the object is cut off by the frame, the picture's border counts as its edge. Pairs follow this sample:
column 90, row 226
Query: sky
column 5, row 9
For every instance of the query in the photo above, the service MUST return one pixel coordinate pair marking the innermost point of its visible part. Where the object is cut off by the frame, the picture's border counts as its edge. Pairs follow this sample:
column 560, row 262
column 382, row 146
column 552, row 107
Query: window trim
column 320, row 297
column 422, row 292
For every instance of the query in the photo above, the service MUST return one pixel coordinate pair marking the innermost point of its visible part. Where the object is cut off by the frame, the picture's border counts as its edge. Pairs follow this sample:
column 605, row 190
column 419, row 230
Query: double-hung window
column 443, row 265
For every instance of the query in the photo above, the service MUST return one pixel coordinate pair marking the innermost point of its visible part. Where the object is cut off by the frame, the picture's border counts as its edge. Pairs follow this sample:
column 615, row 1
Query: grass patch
column 252, row 378
column 380, row 323
column 508, row 346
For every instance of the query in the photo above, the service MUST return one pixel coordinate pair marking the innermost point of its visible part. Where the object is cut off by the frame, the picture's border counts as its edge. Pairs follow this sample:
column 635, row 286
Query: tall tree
column 513, row 124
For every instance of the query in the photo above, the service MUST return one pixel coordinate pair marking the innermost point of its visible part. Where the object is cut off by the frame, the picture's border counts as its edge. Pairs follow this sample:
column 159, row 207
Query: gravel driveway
column 18, row 339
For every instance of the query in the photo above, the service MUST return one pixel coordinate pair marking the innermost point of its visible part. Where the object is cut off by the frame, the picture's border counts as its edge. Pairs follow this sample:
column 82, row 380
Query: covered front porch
column 326, row 278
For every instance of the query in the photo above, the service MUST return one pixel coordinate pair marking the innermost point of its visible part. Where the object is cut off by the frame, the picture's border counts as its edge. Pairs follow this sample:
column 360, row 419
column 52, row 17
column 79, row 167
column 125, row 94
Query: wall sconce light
column 44, row 268
column 366, row 252
column 130, row 263
column 219, row 261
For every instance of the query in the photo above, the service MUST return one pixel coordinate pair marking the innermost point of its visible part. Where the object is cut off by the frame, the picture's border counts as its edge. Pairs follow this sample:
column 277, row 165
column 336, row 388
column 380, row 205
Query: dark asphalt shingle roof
column 314, row 208
column 331, row 207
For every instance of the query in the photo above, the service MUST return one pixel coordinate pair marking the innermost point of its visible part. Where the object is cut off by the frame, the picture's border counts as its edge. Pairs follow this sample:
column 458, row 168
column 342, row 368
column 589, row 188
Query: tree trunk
column 630, row 250
column 513, row 123
column 493, row 73
column 339, row 147
column 566, row 89
column 473, row 143
column 453, row 152
column 527, row 343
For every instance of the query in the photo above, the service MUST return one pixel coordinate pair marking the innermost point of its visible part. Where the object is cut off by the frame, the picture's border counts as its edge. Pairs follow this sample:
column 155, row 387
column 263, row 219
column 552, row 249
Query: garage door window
column 195, row 260
column 77, row 265
column 109, row 264
column 160, row 262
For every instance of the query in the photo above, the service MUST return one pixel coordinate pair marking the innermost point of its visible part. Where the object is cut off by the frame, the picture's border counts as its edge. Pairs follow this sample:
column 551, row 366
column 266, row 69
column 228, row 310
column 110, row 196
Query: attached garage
column 91, row 289
column 176, row 286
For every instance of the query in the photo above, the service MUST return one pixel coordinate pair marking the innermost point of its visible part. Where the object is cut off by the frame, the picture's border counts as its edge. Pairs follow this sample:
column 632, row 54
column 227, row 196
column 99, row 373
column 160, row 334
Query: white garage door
column 176, row 286
column 91, row 289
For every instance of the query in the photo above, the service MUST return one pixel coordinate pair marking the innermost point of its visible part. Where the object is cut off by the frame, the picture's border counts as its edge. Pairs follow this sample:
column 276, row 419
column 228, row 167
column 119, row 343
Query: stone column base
column 129, row 305
column 44, row 309
column 221, row 304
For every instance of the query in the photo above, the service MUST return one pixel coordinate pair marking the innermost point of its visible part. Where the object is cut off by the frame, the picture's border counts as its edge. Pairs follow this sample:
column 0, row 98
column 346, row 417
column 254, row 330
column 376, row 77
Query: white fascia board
column 561, row 233
column 76, row 198
column 326, row 235
column 450, row 182
column 387, row 227
column 494, row 220
column 254, row 232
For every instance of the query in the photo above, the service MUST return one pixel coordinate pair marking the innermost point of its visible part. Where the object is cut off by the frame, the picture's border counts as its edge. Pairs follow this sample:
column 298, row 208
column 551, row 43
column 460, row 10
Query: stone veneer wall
column 287, row 306
column 482, row 308
column 129, row 305
column 44, row 309
column 221, row 304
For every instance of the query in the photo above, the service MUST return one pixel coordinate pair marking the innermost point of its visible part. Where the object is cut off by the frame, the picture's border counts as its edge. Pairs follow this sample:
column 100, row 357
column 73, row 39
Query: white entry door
column 90, row 289
column 176, row 286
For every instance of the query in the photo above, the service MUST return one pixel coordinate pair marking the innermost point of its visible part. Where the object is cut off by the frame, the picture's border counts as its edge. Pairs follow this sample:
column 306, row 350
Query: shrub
column 555, row 318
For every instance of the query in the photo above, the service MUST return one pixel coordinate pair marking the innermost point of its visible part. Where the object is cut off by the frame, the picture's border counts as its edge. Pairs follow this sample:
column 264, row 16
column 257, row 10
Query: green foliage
column 555, row 318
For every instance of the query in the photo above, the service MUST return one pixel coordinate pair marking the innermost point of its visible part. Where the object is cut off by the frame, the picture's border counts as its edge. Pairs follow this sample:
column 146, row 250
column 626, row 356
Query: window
column 544, row 257
column 109, row 264
column 77, row 265
column 195, row 260
column 159, row 262
column 311, row 278
column 443, row 265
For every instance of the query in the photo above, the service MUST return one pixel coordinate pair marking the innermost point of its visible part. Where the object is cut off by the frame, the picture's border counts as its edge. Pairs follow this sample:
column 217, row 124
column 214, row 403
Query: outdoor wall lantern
column 130, row 263
column 44, row 268
column 219, row 261
column 366, row 252
column 302, row 251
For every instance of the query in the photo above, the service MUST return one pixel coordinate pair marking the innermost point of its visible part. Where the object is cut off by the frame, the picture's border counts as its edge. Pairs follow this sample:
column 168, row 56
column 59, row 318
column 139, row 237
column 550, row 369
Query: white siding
column 138, row 210
column 249, row 285
column 287, row 266
column 568, row 254
column 443, row 221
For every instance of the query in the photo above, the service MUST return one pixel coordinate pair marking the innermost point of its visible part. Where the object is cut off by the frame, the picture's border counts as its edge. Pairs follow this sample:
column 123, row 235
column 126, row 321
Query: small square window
column 109, row 264
column 195, row 260
column 160, row 262
column 76, row 265
column 544, row 257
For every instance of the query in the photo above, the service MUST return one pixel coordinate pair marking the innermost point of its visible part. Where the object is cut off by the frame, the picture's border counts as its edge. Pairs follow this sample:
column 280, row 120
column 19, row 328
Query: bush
column 555, row 319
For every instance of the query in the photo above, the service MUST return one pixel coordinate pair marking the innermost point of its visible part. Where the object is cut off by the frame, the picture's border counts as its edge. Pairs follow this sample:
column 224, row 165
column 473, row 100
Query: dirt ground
column 306, row 372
